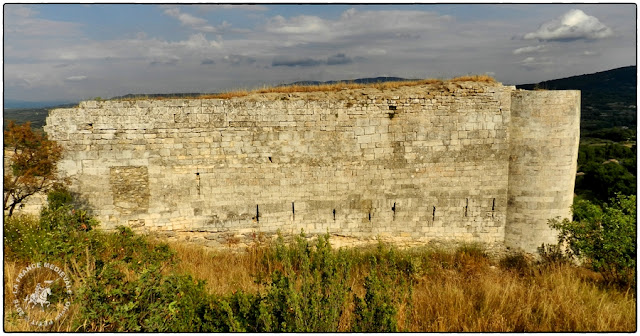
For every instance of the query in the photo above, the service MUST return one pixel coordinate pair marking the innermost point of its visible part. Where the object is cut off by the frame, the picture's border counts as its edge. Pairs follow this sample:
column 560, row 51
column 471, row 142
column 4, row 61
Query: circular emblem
column 42, row 293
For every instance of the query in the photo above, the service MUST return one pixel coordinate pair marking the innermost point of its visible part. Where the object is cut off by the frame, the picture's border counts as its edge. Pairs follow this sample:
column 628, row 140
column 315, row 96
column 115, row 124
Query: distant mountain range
column 21, row 104
column 608, row 98
column 157, row 95
column 178, row 95
column 356, row 81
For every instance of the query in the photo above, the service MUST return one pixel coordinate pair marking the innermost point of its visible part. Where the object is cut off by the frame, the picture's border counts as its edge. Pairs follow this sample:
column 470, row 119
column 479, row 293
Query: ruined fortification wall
column 424, row 162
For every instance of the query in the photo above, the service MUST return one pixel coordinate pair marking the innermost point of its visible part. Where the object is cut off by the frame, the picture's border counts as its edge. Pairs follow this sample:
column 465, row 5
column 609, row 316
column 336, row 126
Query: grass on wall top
column 335, row 87
column 347, row 85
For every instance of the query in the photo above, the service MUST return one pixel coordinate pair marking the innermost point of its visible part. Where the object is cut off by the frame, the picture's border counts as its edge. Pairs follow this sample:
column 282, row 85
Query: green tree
column 32, row 164
column 607, row 180
column 604, row 238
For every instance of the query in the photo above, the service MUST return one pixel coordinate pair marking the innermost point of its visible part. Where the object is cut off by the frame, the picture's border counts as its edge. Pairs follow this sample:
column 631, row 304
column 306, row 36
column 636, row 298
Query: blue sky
column 80, row 51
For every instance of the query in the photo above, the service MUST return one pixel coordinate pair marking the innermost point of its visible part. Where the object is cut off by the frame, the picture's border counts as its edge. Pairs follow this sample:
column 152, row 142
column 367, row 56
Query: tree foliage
column 603, row 237
column 608, row 170
column 32, row 162
column 607, row 180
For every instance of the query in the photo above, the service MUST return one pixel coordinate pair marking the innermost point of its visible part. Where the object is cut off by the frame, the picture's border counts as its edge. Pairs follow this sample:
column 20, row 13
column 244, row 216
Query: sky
column 71, row 52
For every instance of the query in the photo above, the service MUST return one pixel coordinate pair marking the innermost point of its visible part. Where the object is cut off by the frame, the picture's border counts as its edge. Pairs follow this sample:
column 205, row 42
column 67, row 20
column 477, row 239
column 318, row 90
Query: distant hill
column 608, row 97
column 157, row 95
column 36, row 115
column 356, row 81
column 21, row 104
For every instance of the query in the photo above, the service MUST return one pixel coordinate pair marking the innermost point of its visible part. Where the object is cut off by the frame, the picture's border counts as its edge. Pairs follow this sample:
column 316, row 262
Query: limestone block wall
column 544, row 139
column 422, row 162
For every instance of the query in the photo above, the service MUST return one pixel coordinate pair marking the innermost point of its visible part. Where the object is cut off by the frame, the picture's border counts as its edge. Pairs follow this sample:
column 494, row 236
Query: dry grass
column 463, row 293
column 475, row 78
column 497, row 300
column 346, row 86
column 225, row 272
column 453, row 293
column 14, row 323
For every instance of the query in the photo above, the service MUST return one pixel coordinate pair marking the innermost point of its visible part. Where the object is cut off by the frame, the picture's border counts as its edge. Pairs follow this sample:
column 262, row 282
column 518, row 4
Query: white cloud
column 253, row 7
column 20, row 11
column 76, row 78
column 296, row 45
column 23, row 79
column 190, row 21
column 358, row 27
column 530, row 49
column 199, row 41
column 535, row 62
column 337, row 59
column 303, row 24
column 196, row 46
column 376, row 51
column 573, row 25
column 21, row 20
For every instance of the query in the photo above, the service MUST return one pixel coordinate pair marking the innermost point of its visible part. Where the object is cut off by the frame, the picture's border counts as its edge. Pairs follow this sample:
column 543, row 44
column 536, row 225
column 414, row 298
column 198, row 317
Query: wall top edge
column 546, row 92
column 372, row 90
column 401, row 92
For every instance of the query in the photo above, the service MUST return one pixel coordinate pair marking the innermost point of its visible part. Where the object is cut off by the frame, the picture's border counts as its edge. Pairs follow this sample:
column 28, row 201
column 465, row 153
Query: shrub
column 307, row 289
column 553, row 254
column 310, row 291
column 388, row 285
column 60, row 234
column 125, row 282
column 603, row 238
column 375, row 312
column 150, row 302
column 516, row 262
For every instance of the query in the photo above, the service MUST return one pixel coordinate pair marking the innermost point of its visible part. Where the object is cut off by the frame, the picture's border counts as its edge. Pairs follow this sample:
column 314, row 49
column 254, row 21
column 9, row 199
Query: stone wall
column 544, row 139
column 421, row 162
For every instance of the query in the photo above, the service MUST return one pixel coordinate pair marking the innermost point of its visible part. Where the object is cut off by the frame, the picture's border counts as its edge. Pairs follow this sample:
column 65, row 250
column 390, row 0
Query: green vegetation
column 36, row 116
column 607, row 170
column 615, row 134
column 127, row 282
column 603, row 237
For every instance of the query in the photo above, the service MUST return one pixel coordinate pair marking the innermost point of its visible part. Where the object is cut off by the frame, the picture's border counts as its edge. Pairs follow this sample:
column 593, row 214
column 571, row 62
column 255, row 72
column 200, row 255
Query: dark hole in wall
column 198, row 182
column 257, row 217
column 434, row 214
column 270, row 160
column 334, row 214
column 493, row 208
column 393, row 113
column 466, row 208
column 393, row 208
column 293, row 210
